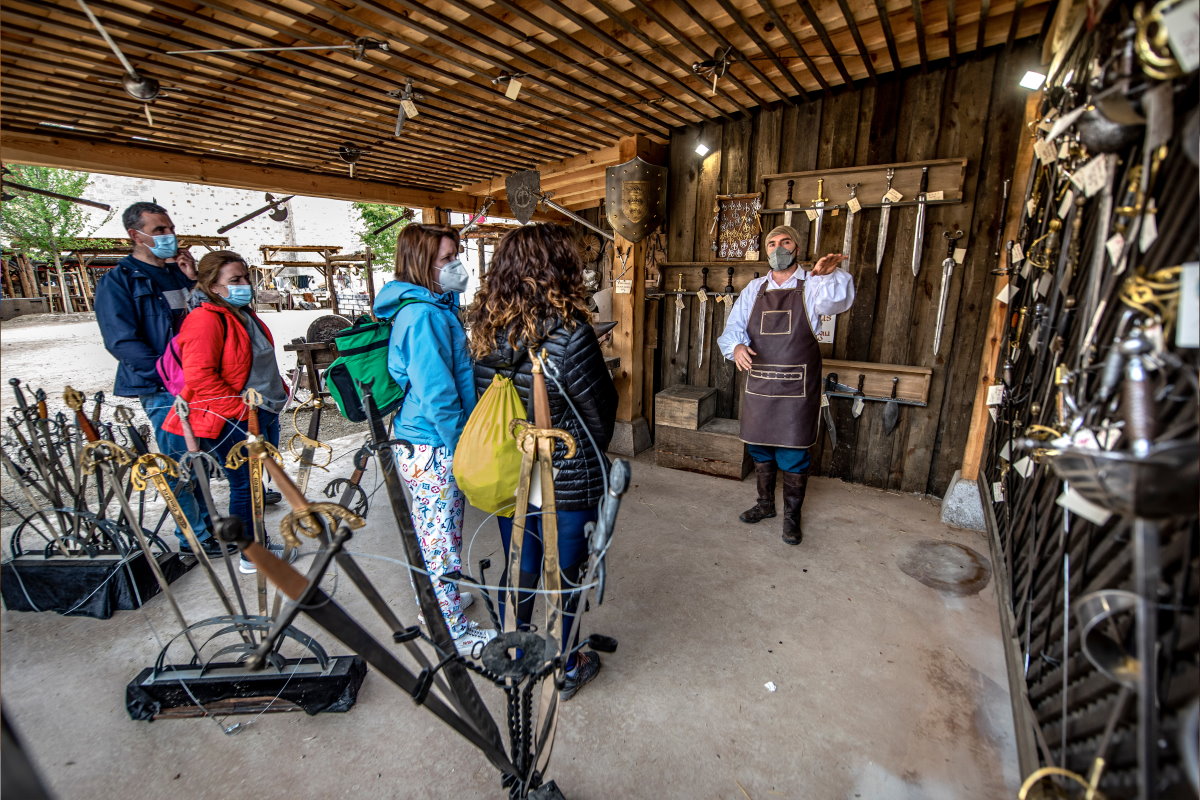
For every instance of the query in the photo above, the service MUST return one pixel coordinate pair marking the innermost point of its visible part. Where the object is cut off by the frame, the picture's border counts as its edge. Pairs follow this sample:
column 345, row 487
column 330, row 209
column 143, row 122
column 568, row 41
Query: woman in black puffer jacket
column 533, row 297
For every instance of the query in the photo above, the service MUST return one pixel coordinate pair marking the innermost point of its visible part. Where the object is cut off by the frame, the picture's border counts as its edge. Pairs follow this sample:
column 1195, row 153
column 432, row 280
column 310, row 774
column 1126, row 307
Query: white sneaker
column 465, row 599
column 246, row 566
column 471, row 643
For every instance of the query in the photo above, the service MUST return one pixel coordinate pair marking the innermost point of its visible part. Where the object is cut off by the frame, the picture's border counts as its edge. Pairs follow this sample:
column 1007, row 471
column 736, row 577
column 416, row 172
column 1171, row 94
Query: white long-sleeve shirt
column 823, row 294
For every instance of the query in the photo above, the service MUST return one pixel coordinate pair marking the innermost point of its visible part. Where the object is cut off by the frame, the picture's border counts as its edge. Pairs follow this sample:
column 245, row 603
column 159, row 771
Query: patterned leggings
column 437, row 516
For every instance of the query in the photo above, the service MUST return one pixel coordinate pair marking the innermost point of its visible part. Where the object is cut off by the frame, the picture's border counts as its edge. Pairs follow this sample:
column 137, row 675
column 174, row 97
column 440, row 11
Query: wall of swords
column 971, row 112
column 1092, row 453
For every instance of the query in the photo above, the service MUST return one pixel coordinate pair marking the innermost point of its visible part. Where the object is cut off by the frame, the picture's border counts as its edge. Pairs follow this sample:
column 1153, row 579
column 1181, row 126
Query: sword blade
column 947, row 273
column 848, row 237
column 885, row 216
column 819, row 223
column 703, row 309
column 919, row 236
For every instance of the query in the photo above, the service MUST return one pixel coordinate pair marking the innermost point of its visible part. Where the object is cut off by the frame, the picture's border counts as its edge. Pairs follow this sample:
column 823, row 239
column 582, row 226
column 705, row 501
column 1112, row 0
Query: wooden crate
column 683, row 406
column 714, row 449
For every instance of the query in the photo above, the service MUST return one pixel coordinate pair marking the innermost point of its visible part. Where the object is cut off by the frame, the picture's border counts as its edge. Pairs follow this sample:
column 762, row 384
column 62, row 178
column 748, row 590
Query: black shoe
column 764, row 475
column 587, row 665
column 271, row 497
column 211, row 547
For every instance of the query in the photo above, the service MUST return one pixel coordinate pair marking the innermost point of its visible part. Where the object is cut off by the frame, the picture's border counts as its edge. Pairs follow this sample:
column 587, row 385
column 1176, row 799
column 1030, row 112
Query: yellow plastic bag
column 487, row 463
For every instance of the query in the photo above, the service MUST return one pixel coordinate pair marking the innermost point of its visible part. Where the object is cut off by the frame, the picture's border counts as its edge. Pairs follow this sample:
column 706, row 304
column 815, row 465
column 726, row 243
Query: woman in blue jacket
column 427, row 353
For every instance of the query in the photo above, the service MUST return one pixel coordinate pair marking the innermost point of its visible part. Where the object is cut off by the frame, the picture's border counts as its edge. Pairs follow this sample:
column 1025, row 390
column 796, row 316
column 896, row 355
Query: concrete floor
column 886, row 688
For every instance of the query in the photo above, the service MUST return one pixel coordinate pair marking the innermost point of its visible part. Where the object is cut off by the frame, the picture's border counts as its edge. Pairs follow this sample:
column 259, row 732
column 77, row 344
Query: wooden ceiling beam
column 652, row 125
column 864, row 53
column 139, row 162
column 983, row 15
column 1012, row 28
column 641, row 35
column 952, row 30
column 815, row 21
column 596, row 159
column 708, row 27
column 415, row 69
column 885, row 22
column 794, row 43
column 764, row 48
column 919, row 27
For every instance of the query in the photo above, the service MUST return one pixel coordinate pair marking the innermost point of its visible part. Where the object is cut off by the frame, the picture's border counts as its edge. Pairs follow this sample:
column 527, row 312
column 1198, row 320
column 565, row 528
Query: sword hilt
column 151, row 466
column 124, row 416
column 820, row 198
column 75, row 400
column 253, row 399
column 40, row 397
column 528, row 434
column 924, row 182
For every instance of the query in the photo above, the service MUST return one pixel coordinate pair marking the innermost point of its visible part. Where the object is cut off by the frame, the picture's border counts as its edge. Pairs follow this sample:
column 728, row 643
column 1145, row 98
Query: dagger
column 848, row 237
column 919, row 235
column 787, row 214
column 678, row 310
column 826, row 411
column 702, row 309
column 884, row 216
column 818, row 205
column 727, row 297
column 947, row 273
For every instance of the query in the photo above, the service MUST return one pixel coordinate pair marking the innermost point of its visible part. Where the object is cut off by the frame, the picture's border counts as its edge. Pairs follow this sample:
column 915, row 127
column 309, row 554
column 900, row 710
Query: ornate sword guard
column 100, row 451
column 297, row 450
column 188, row 462
column 358, row 501
column 527, row 437
column 254, row 447
column 151, row 466
column 307, row 521
column 123, row 415
column 74, row 398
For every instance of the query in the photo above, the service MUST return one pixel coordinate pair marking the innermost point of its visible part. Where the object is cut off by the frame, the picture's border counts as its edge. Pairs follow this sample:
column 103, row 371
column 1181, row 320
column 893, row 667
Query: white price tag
column 854, row 205
column 1005, row 452
column 1182, row 24
column 1108, row 437
column 622, row 287
column 959, row 254
column 410, row 109
column 1149, row 227
column 1076, row 503
column 824, row 400
column 938, row 195
column 752, row 255
column 992, row 413
column 1084, row 437
column 857, row 408
column 1187, row 328
column 1030, row 207
column 1044, row 284
column 1064, row 149
column 1024, row 467
column 893, row 196
column 1018, row 255
column 514, row 89
column 1065, row 205
column 1115, row 245
column 811, row 214
column 998, row 492
column 1064, row 122
column 1025, row 270
column 1045, row 151
column 1092, row 176
column 995, row 395
column 1006, row 294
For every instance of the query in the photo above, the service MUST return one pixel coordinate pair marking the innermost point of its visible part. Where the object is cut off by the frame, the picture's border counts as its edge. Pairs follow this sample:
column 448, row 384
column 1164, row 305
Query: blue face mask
column 165, row 245
column 239, row 295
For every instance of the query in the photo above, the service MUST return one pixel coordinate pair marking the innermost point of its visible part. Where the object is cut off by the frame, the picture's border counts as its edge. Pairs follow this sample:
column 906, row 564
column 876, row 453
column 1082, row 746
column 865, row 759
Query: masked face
column 239, row 295
column 163, row 246
column 781, row 252
column 453, row 276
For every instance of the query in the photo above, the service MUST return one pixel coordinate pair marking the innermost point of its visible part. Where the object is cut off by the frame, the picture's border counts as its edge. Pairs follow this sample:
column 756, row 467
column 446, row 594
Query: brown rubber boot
column 794, row 486
column 764, row 472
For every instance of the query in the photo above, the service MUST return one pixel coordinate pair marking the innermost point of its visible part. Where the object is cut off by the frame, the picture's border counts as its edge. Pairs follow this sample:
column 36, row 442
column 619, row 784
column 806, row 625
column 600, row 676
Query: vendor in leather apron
column 771, row 334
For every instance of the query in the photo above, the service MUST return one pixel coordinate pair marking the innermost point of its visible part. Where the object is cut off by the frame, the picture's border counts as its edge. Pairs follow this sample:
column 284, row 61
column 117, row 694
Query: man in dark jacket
column 140, row 304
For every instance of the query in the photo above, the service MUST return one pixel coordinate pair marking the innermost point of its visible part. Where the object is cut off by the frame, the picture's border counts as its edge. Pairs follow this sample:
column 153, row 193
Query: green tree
column 383, row 245
column 45, row 226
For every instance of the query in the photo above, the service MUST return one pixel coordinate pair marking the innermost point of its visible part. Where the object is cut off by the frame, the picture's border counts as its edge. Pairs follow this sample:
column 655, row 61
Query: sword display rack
column 946, row 175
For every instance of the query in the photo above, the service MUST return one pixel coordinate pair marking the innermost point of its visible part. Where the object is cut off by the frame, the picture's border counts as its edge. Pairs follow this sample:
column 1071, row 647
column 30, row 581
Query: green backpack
column 362, row 358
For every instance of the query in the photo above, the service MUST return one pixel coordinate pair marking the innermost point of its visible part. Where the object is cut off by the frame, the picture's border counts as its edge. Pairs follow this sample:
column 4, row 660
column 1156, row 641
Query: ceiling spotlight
column 1033, row 80
column 702, row 149
column 350, row 155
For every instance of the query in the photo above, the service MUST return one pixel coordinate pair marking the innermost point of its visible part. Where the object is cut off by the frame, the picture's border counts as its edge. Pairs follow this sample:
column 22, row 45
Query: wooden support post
column 330, row 271
column 62, row 284
column 977, row 434
column 369, row 277
column 632, row 432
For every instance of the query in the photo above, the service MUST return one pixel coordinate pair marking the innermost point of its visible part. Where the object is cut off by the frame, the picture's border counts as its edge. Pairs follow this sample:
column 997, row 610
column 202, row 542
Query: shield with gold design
column 635, row 195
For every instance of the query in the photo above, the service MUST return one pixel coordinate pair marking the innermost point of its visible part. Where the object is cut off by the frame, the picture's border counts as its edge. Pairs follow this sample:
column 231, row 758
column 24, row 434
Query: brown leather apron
column 782, row 402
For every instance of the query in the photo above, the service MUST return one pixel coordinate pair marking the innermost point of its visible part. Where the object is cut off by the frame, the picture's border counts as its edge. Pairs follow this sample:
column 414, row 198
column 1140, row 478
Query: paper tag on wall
column 1006, row 294
column 1025, row 270
column 1030, row 207
column 1063, row 123
column 1024, row 467
column 1005, row 452
column 1182, row 24
column 1044, row 284
column 995, row 394
column 893, row 196
column 514, row 89
column 853, row 205
column 1187, row 327
column 752, row 255
column 1076, row 503
column 959, row 254
column 1045, row 150
column 998, row 492
column 1149, row 227
column 857, row 408
column 622, row 287
column 938, row 195
column 1065, row 205
column 811, row 214
column 992, row 413
column 1115, row 246
column 1092, row 176
column 824, row 400
column 1018, row 255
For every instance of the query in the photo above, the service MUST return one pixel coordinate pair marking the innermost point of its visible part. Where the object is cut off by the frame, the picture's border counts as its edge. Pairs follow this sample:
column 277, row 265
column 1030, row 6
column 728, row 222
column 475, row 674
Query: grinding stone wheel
column 323, row 329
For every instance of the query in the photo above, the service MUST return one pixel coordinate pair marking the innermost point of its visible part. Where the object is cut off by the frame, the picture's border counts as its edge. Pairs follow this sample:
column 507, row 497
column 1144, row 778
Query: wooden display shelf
column 945, row 175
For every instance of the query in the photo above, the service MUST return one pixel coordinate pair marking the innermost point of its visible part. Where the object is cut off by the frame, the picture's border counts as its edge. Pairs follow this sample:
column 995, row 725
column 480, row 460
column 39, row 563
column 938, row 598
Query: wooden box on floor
column 714, row 449
column 682, row 406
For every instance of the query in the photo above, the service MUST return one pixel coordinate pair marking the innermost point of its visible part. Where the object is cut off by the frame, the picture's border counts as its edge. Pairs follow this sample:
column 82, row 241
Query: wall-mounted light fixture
column 702, row 149
column 1033, row 80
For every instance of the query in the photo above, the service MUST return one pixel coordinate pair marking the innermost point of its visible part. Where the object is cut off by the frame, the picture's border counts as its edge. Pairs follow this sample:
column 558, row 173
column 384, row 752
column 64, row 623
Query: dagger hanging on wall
column 919, row 235
column 848, row 237
column 947, row 274
column 702, row 309
column 818, row 205
column 884, row 216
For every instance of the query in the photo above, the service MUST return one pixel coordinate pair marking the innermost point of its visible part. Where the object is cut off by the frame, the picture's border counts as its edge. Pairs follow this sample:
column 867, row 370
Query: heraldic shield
column 524, row 191
column 635, row 196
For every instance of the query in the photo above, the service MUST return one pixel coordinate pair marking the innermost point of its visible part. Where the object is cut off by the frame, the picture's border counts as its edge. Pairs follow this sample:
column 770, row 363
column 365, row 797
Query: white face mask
column 453, row 277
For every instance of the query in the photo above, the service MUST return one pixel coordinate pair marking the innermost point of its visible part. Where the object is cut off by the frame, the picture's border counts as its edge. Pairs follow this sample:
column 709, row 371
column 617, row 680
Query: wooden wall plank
column 684, row 173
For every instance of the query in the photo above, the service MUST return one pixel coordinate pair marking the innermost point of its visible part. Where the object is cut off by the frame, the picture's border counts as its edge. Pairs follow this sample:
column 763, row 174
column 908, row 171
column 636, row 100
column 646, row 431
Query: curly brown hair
column 534, row 280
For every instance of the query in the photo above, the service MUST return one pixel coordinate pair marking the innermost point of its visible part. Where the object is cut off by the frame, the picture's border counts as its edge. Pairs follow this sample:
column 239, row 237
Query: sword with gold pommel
column 243, row 454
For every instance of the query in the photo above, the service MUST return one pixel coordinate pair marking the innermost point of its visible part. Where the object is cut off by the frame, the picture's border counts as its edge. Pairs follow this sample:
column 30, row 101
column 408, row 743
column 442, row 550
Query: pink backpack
column 170, row 364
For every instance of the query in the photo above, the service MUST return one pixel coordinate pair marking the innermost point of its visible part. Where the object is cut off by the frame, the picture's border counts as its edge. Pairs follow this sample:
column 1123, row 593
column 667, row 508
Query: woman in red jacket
column 225, row 349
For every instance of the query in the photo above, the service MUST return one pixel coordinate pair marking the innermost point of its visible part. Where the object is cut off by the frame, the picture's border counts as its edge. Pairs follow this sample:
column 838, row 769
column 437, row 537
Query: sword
column 310, row 442
column 919, row 235
column 848, row 237
column 678, row 310
column 702, row 309
column 826, row 411
column 885, row 215
column 947, row 273
column 727, row 297
column 241, row 454
column 818, row 205
column 788, row 204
